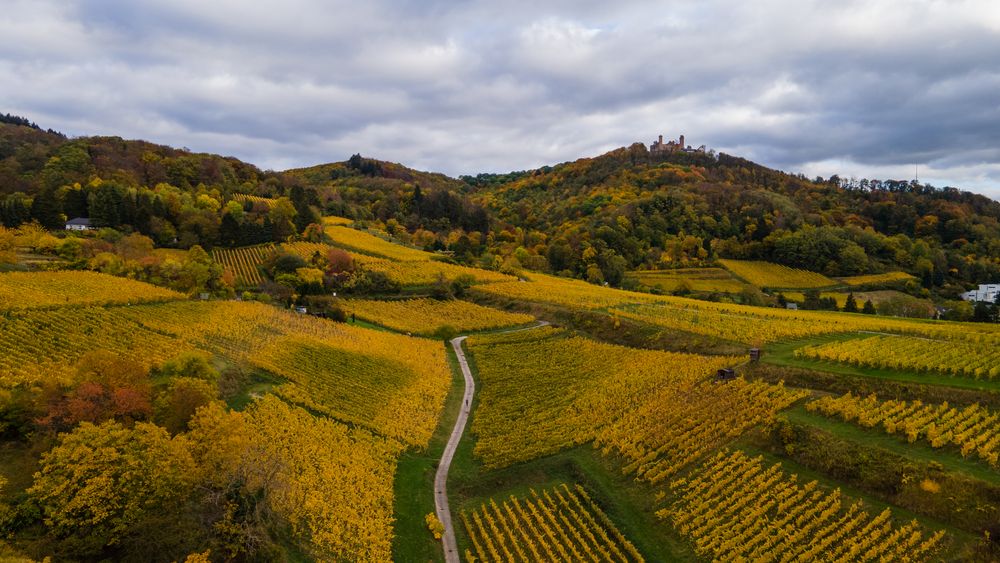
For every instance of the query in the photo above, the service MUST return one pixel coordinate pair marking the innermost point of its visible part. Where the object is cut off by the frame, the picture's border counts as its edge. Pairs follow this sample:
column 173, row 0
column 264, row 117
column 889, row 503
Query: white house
column 986, row 292
column 79, row 224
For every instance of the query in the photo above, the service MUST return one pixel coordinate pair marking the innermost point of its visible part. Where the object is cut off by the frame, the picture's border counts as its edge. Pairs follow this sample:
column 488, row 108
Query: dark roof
column 83, row 221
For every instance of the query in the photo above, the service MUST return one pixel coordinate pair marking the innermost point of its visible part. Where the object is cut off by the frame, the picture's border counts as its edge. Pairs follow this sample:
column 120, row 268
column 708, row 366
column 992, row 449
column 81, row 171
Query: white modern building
column 986, row 292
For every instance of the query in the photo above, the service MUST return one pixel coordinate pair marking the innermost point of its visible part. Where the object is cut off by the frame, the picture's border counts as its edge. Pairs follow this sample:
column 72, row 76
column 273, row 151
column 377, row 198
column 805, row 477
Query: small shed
column 755, row 354
column 301, row 309
column 79, row 224
column 725, row 374
column 792, row 306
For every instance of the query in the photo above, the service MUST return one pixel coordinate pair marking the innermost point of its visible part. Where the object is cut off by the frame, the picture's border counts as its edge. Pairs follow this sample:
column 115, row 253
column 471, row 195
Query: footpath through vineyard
column 441, row 507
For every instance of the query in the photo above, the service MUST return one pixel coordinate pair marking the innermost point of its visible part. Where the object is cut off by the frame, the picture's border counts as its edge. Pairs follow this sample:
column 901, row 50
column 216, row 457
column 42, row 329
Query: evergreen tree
column 143, row 221
column 75, row 203
column 982, row 313
column 105, row 207
column 355, row 161
column 229, row 230
column 13, row 212
column 46, row 209
column 851, row 305
column 418, row 199
column 304, row 214
column 812, row 300
column 869, row 308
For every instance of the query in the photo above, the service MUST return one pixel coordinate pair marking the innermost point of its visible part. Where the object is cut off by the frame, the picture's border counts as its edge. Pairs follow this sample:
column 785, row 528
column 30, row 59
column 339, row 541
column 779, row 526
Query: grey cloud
column 462, row 87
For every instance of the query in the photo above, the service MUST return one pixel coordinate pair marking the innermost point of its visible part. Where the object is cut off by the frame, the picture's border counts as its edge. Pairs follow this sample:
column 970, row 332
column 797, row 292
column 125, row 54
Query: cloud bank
column 856, row 88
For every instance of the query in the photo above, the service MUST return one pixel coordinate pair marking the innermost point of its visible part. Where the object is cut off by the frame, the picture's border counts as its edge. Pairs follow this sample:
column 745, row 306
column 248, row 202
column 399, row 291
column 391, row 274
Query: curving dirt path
column 441, row 507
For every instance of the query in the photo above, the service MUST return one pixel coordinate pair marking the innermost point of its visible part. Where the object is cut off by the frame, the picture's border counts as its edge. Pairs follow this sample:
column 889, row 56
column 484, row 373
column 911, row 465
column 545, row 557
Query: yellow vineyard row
column 973, row 429
column 559, row 524
column 733, row 508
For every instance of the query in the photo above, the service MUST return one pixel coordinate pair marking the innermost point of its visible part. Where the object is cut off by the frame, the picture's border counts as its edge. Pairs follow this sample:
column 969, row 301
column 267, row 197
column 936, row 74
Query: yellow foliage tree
column 331, row 486
column 434, row 525
column 101, row 480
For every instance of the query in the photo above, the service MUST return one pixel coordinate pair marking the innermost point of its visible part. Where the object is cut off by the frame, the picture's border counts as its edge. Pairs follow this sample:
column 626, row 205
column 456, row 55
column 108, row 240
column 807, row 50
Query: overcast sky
column 865, row 89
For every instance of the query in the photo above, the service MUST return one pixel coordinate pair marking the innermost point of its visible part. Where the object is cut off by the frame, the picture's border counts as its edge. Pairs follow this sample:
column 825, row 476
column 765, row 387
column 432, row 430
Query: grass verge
column 413, row 487
column 947, row 457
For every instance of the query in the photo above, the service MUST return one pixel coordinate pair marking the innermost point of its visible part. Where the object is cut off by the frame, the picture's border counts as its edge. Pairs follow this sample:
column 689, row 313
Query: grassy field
column 948, row 457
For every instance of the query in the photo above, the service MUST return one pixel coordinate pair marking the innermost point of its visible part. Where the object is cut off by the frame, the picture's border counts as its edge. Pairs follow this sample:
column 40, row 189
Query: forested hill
column 594, row 218
column 630, row 208
column 180, row 198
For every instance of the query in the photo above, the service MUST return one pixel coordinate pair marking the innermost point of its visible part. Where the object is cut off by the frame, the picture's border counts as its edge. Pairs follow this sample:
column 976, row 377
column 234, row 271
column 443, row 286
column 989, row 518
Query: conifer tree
column 869, row 308
column 851, row 305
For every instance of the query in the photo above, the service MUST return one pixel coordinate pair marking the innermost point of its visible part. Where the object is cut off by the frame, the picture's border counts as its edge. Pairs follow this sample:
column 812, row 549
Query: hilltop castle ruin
column 659, row 147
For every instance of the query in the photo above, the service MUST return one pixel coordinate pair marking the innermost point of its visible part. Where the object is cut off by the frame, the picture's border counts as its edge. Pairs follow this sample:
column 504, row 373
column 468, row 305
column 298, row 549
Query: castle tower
column 661, row 139
column 682, row 142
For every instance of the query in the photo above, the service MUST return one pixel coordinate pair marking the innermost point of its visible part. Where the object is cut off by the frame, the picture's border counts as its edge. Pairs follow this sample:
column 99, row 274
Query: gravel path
column 441, row 507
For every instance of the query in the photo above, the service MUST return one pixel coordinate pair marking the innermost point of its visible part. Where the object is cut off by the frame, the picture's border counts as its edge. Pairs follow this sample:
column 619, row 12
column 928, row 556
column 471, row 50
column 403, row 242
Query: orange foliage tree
column 107, row 387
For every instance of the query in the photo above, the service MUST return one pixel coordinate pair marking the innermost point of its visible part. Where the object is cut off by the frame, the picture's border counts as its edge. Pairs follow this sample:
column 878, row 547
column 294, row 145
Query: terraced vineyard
column 334, row 220
column 424, row 273
column 244, row 262
column 947, row 357
column 734, row 508
column 693, row 279
column 770, row 275
column 675, row 427
column 345, row 473
column 888, row 278
column 877, row 297
column 659, row 440
column 728, row 321
column 543, row 391
column 306, row 250
column 973, row 429
column 254, row 200
column 733, row 322
column 32, row 290
column 333, row 368
column 44, row 345
column 839, row 297
column 558, row 524
column 541, row 288
column 366, row 243
column 427, row 316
